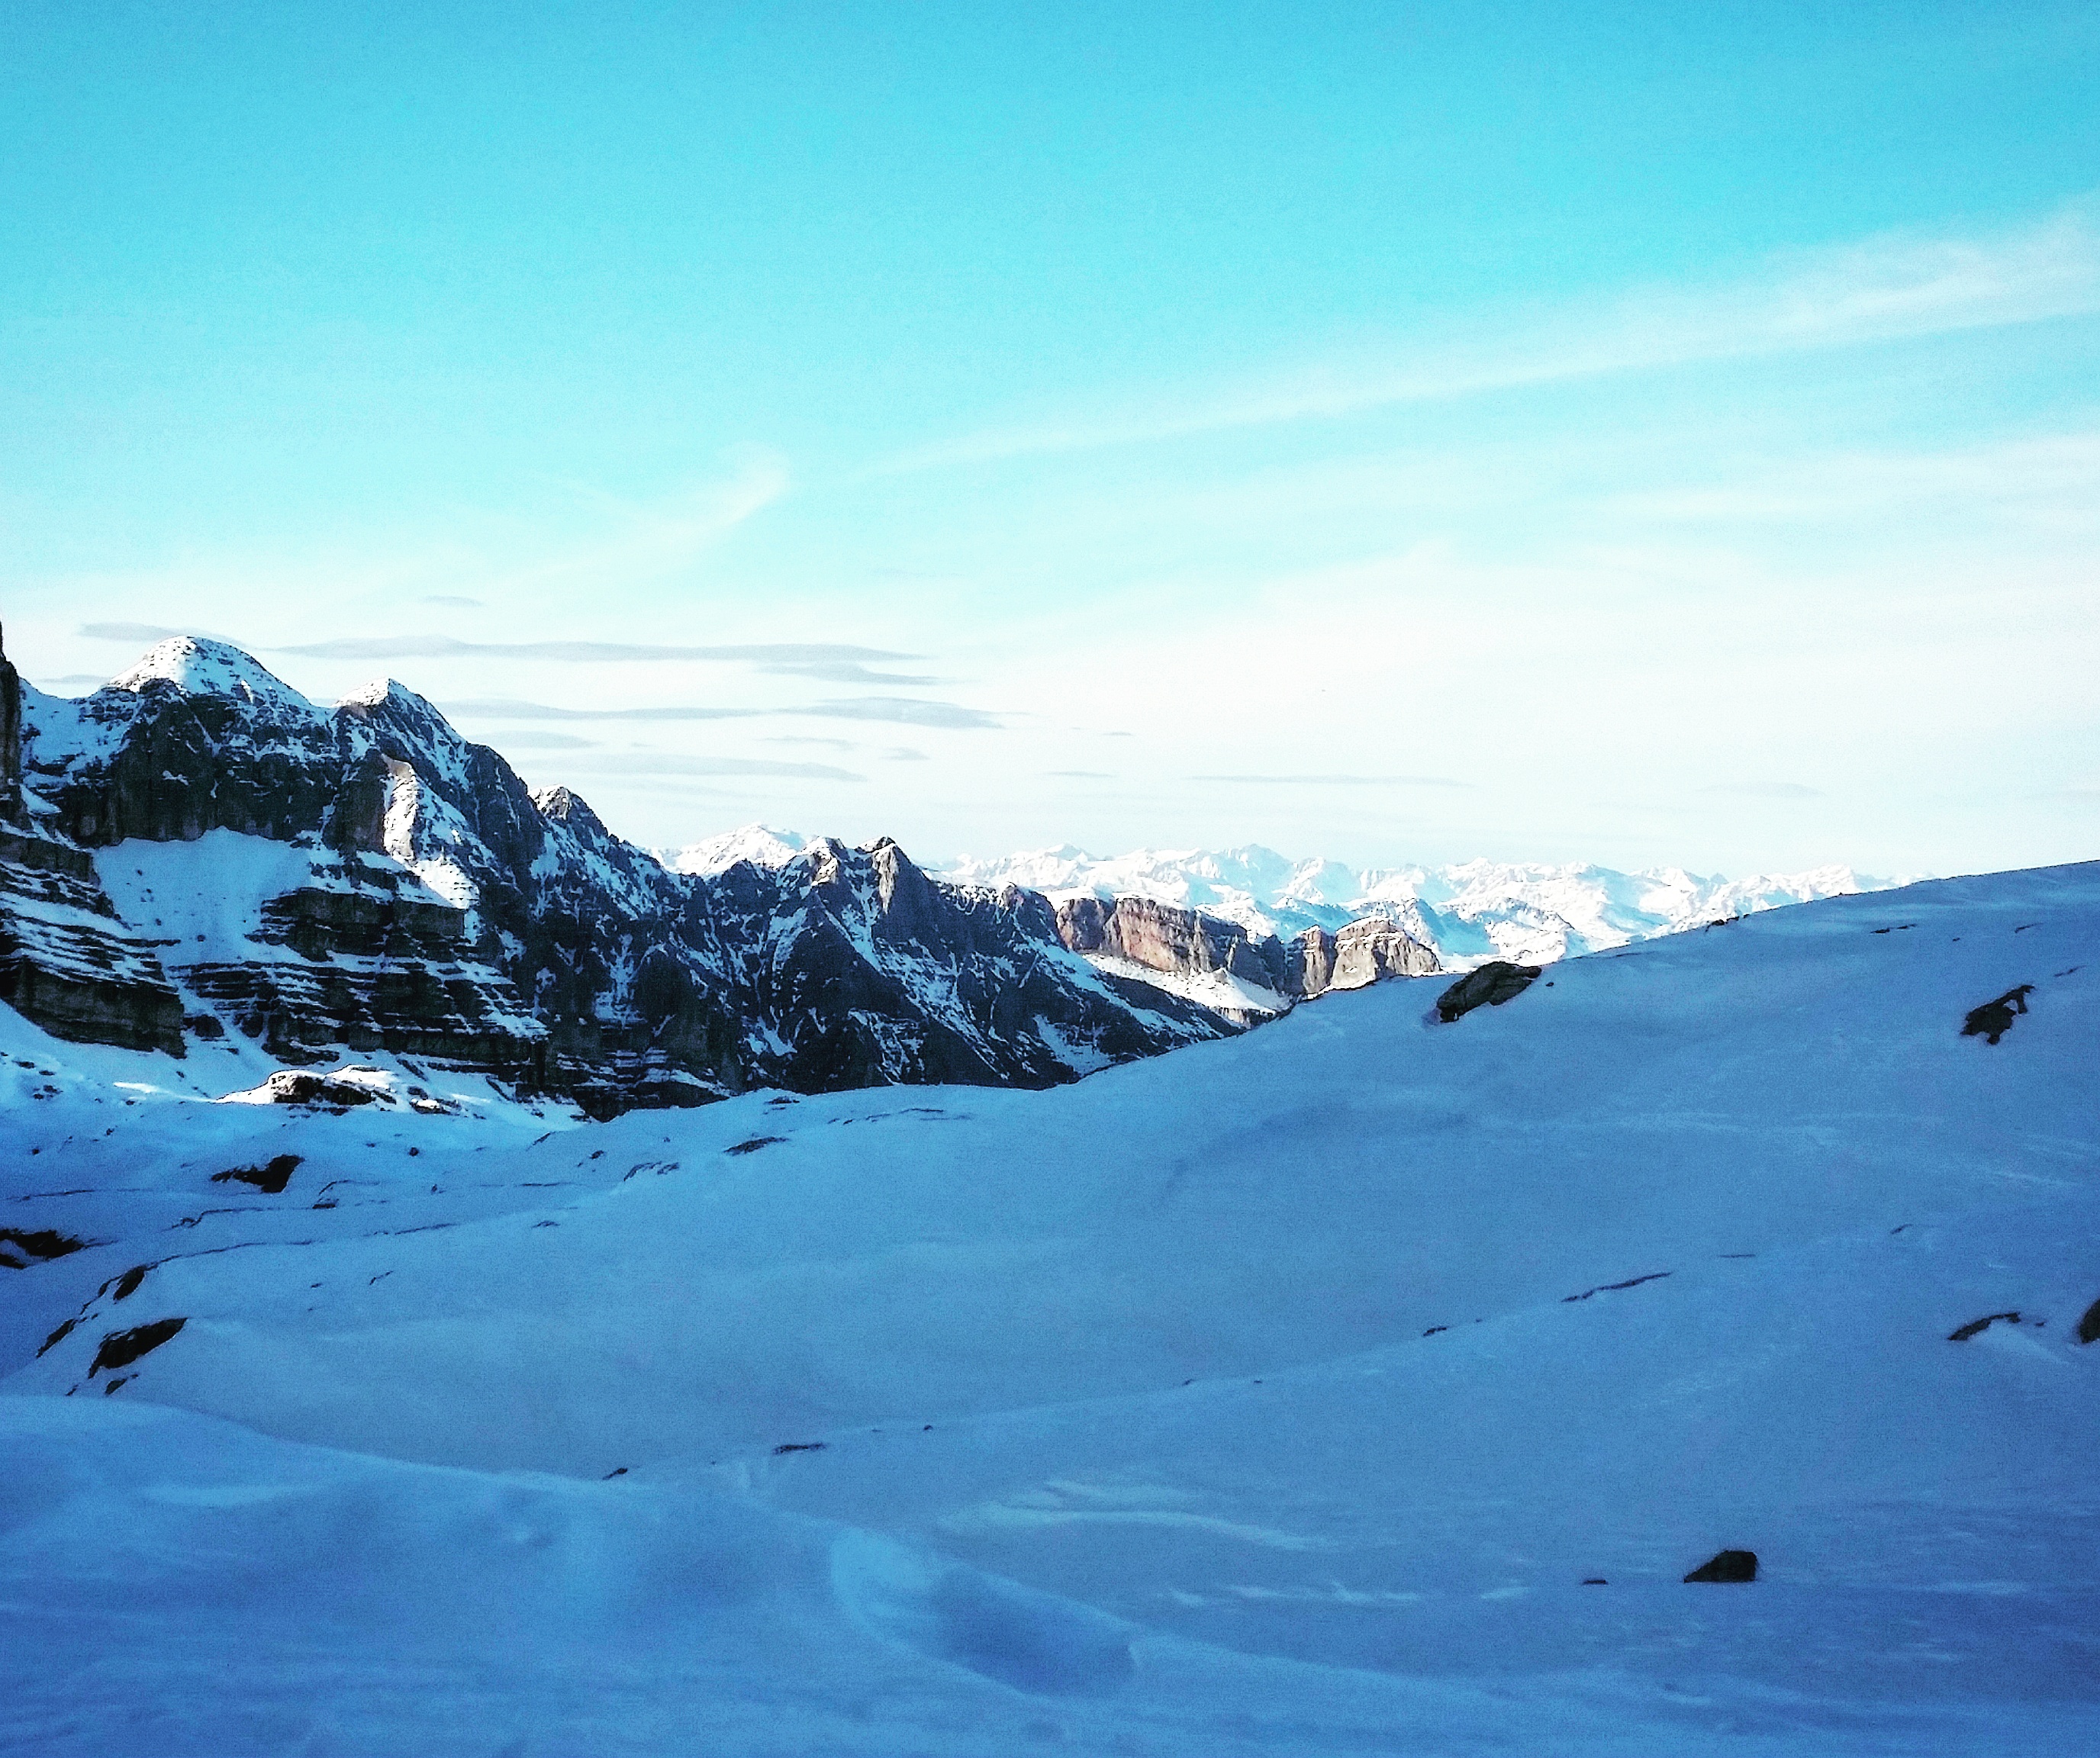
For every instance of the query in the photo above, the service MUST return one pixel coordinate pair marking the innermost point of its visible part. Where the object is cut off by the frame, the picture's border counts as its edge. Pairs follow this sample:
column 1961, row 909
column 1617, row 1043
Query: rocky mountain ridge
column 196, row 849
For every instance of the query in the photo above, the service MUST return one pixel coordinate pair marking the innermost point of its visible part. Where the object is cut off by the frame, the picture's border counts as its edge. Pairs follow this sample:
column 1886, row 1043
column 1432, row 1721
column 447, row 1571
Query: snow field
column 1275, row 1395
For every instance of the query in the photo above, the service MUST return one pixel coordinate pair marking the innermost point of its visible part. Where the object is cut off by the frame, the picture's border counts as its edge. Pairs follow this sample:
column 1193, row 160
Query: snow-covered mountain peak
column 761, row 844
column 201, row 667
column 379, row 689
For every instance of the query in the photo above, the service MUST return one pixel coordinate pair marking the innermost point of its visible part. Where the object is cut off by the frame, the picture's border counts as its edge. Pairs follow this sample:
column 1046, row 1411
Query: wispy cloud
column 1081, row 775
column 846, row 672
column 1765, row 789
column 902, row 710
column 829, row 661
column 767, row 656
column 132, row 634
column 453, row 601
column 807, row 738
column 647, row 540
column 2050, row 480
column 1884, row 289
column 670, row 763
column 503, row 708
column 533, row 741
column 1339, row 781
column 906, row 711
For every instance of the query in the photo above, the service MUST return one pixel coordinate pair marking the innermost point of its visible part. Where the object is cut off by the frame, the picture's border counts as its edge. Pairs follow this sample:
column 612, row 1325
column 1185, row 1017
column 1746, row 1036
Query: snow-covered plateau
column 1363, row 1384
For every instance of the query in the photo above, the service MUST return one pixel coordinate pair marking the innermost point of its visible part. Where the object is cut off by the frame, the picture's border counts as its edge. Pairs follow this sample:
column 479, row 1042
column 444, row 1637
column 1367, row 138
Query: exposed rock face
column 66, row 960
column 1153, row 936
column 1364, row 952
column 369, row 966
column 399, row 889
column 1161, row 937
column 10, row 740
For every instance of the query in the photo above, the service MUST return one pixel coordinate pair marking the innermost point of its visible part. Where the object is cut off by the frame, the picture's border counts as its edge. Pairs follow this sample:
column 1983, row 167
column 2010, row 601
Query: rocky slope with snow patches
column 1363, row 1384
column 1467, row 912
column 195, row 855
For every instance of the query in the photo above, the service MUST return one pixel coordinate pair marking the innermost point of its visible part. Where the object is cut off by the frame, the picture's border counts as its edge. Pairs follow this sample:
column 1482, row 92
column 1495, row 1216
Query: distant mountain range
column 1469, row 912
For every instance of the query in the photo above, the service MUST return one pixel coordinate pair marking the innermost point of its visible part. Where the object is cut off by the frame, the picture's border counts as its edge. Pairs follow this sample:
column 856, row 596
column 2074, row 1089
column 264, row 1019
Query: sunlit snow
column 1284, row 1393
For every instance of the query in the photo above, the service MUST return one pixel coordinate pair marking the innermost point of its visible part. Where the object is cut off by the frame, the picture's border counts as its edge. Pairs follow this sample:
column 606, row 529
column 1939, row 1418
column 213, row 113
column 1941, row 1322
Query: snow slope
column 1280, row 1394
column 1470, row 912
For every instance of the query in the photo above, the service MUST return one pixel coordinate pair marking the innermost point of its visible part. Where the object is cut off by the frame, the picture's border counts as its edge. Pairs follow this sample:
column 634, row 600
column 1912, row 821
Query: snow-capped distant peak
column 1471, row 911
column 378, row 690
column 761, row 844
column 201, row 667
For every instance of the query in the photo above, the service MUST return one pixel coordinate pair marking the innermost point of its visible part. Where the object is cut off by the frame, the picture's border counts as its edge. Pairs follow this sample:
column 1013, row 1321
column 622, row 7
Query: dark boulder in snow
column 1976, row 1327
column 271, row 1179
column 1727, row 1565
column 1994, row 1019
column 18, row 1247
column 1493, row 984
column 120, row 1348
column 2088, row 1327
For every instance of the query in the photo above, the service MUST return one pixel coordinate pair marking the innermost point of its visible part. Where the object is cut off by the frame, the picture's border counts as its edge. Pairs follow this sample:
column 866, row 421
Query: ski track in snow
column 1280, row 1394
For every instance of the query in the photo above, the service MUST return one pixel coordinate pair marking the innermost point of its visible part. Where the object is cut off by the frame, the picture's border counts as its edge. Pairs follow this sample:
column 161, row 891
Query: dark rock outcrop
column 1994, row 1019
column 11, row 739
column 2088, row 1327
column 120, row 1348
column 1727, row 1566
column 1976, row 1327
column 1490, row 985
column 270, row 1178
column 20, row 1247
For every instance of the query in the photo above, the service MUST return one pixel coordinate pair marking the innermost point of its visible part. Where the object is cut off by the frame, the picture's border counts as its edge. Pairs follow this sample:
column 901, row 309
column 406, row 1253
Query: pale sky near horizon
column 1655, row 435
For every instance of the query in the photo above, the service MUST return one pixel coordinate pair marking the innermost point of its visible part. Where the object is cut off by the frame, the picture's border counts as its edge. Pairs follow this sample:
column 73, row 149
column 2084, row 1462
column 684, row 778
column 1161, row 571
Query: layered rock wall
column 1186, row 943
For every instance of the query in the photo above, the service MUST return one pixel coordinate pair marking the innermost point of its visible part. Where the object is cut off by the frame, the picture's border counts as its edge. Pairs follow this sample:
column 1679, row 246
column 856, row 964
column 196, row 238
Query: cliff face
column 67, row 960
column 362, row 878
column 1187, row 944
column 11, row 739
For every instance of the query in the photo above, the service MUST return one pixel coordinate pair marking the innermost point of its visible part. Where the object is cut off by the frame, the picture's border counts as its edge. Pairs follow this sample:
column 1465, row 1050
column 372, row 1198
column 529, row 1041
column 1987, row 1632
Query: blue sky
column 1645, row 435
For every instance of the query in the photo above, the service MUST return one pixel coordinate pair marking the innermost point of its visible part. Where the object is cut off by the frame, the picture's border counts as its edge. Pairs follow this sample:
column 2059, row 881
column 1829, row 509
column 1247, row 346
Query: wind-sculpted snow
column 1365, row 1384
